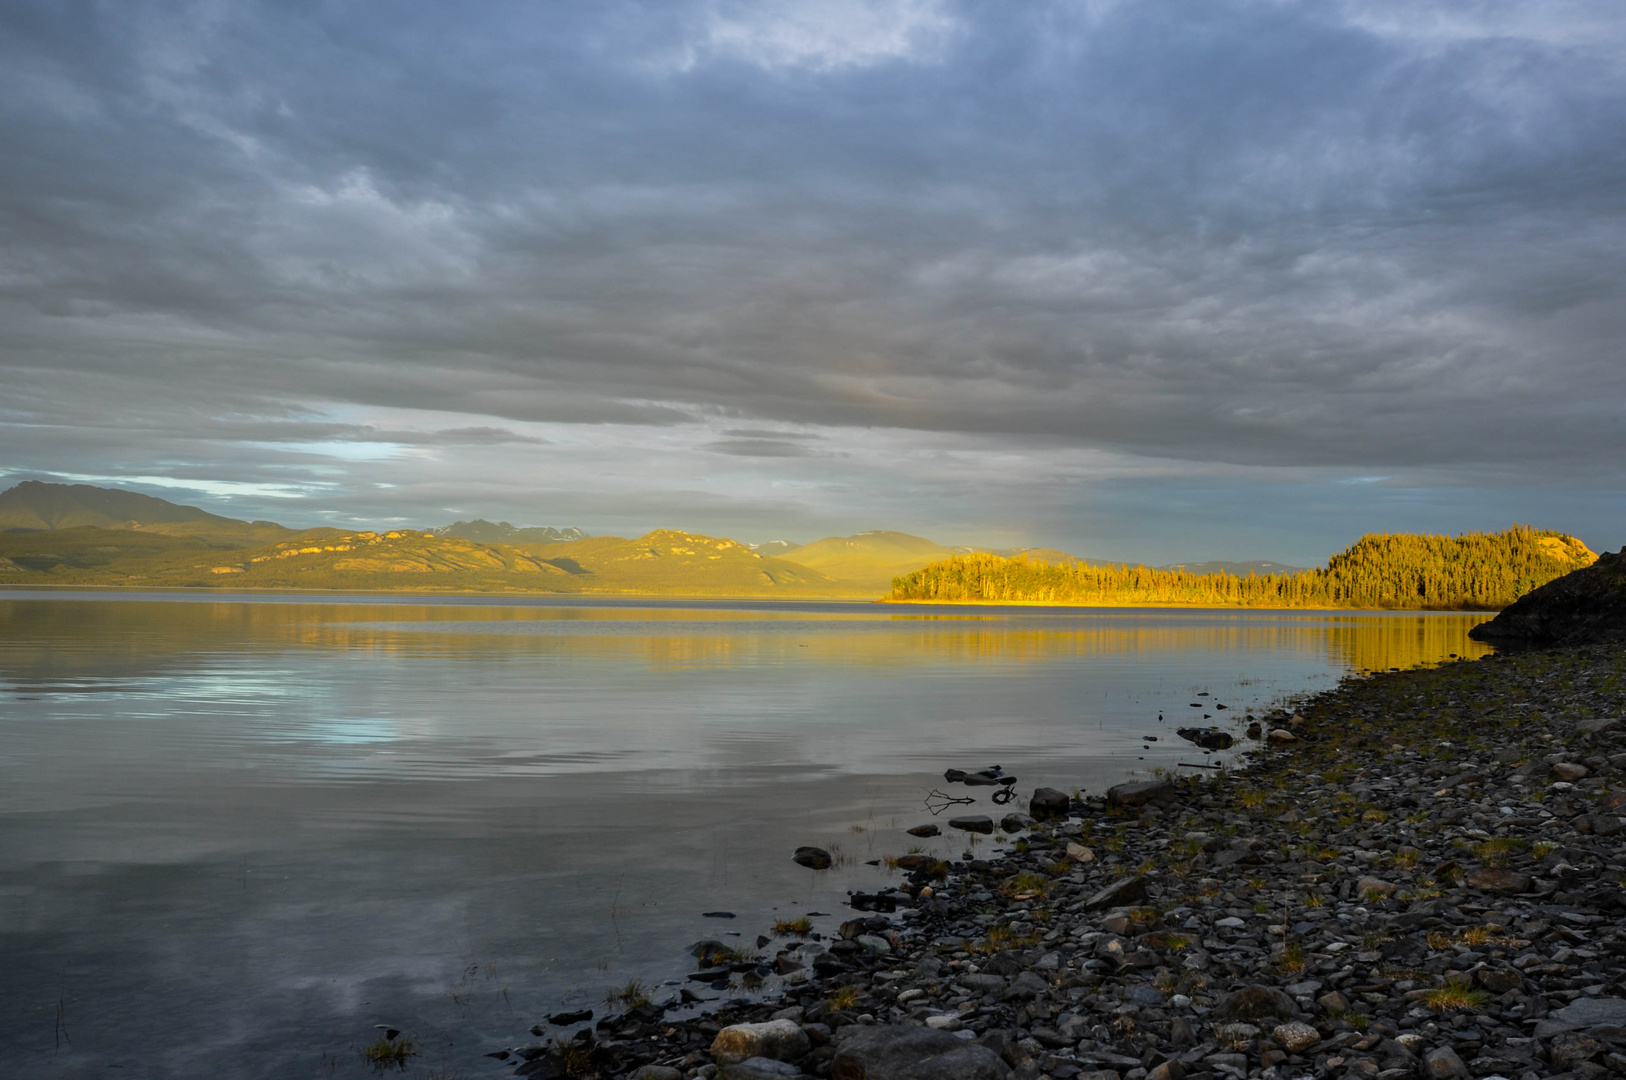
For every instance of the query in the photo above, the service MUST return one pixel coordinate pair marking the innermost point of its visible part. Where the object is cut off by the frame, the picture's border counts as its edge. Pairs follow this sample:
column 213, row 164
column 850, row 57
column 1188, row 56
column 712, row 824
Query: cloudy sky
column 1161, row 280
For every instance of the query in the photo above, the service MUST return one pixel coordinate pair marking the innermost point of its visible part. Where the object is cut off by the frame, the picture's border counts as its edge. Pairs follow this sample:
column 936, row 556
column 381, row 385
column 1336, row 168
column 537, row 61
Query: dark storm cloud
column 1365, row 238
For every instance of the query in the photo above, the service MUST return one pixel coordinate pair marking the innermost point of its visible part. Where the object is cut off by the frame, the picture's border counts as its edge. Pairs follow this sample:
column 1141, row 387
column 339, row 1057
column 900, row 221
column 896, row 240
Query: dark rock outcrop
column 1584, row 605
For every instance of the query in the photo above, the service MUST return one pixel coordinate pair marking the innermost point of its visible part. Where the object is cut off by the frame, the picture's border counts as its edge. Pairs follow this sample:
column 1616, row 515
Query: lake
column 238, row 832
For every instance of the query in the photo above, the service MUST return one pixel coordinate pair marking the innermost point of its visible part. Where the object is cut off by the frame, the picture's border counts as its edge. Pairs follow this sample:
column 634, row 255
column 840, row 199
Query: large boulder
column 760, row 1068
column 888, row 1052
column 782, row 1040
column 1583, row 605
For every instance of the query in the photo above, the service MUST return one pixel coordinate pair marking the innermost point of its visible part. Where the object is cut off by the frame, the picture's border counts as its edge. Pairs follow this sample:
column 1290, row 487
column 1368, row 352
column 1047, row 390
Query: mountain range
column 78, row 534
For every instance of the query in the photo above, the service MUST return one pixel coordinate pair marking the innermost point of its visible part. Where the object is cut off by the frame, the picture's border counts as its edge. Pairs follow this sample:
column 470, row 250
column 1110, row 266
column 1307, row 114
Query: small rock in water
column 977, row 823
column 1015, row 822
column 811, row 857
column 1206, row 737
column 925, row 830
column 716, row 914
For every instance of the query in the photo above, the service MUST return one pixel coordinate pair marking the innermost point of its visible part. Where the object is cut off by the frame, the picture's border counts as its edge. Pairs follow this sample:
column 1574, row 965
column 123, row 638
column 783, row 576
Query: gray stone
column 1235, row 1034
column 1169, row 1070
column 888, row 1052
column 1049, row 803
column 925, row 830
column 759, row 1068
column 1256, row 1002
column 1443, row 1064
column 1126, row 890
column 657, row 1072
column 1015, row 822
column 1027, row 985
column 977, row 823
column 982, row 984
column 1496, row 879
column 1572, row 1048
column 968, row 1061
column 783, row 1040
column 874, row 943
column 1595, row 725
column 1295, row 1037
column 1589, row 1012
column 1144, row 995
column 1140, row 792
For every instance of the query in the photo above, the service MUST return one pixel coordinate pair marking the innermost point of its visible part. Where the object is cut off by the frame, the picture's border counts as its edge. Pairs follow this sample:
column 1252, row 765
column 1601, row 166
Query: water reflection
column 238, row 834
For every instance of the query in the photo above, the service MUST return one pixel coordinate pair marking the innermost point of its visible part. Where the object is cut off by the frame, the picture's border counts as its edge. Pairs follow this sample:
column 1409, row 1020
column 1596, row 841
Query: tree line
column 1482, row 571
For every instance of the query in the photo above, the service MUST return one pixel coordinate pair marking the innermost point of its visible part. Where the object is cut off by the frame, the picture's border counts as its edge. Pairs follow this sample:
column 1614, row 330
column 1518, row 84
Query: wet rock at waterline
column 977, row 823
column 1206, row 737
column 1048, row 804
column 925, row 830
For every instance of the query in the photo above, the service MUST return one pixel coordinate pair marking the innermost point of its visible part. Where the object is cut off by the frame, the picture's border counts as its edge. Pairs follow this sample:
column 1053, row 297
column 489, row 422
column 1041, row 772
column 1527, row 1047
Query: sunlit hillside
column 1473, row 571
column 664, row 562
column 871, row 559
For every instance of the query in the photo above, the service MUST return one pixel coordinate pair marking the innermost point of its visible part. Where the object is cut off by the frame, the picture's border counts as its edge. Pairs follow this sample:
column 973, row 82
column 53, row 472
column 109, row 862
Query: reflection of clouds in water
column 350, row 731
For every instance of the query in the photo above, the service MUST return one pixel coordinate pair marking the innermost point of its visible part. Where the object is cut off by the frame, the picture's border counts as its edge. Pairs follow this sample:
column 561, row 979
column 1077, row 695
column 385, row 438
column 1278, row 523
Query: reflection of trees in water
column 53, row 642
column 1403, row 641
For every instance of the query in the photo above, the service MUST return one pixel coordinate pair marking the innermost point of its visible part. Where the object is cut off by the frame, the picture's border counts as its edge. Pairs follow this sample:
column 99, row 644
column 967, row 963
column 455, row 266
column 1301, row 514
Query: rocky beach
column 1415, row 874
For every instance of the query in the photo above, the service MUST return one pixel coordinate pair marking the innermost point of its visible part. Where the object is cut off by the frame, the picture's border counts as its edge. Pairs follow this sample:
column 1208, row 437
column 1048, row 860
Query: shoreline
column 1417, row 874
column 850, row 598
column 1192, row 607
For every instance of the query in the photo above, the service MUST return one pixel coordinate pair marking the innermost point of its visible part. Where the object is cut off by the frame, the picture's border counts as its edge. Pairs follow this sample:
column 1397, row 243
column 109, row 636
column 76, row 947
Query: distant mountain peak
column 481, row 531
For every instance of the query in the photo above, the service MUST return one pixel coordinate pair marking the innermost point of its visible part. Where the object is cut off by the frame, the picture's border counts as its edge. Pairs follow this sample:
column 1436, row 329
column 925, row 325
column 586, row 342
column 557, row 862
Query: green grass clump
column 1457, row 994
column 630, row 996
column 389, row 1053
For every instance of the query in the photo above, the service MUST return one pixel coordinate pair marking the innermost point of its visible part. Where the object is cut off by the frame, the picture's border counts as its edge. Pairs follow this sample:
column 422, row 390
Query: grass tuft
column 843, row 998
column 630, row 996
column 389, row 1053
column 1457, row 993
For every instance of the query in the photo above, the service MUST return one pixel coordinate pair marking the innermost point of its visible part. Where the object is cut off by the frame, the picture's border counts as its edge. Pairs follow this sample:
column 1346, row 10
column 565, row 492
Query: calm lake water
column 238, row 832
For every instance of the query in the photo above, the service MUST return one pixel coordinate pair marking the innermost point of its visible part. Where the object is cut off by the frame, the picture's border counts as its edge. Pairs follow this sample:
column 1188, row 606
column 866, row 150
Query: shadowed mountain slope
column 35, row 505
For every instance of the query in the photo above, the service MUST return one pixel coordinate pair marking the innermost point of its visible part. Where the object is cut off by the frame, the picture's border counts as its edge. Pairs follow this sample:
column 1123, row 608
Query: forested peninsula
column 1475, row 571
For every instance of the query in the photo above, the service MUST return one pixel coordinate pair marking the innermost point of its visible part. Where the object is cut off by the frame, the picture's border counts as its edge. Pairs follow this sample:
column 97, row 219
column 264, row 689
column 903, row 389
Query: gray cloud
column 1257, row 247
